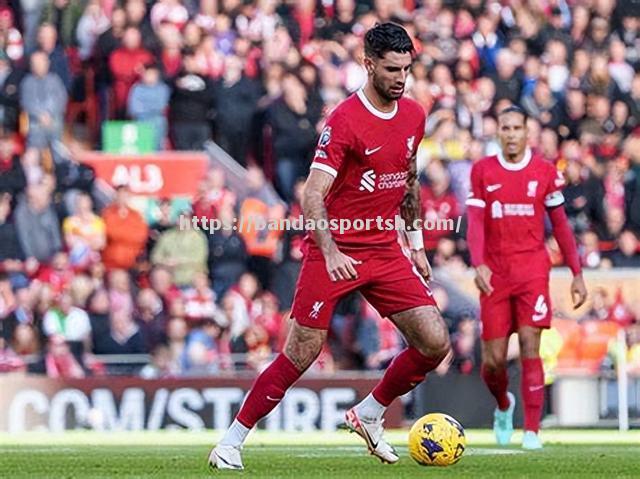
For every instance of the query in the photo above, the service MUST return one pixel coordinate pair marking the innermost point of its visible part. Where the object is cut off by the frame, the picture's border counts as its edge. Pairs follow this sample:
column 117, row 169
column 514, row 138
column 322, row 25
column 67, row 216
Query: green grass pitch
column 182, row 454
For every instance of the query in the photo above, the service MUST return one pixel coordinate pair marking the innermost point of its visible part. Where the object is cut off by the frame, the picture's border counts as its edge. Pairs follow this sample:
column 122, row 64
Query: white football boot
column 371, row 432
column 225, row 457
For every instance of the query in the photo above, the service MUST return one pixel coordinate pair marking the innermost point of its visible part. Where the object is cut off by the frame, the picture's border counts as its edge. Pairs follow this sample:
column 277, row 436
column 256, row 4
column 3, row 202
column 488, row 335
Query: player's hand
column 578, row 291
column 419, row 258
column 340, row 266
column 483, row 279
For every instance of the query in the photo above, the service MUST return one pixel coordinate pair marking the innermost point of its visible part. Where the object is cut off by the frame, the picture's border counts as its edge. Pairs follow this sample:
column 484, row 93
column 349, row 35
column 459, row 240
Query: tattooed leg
column 303, row 345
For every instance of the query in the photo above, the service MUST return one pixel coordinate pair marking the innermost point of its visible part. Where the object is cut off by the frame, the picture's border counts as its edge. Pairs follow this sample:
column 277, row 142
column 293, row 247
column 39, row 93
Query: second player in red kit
column 511, row 193
column 364, row 169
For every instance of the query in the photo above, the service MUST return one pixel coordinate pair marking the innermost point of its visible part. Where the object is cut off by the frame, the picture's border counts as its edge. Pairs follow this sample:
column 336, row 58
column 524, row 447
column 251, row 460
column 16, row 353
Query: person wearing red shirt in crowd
column 58, row 274
column 438, row 203
column 213, row 195
column 200, row 301
column 126, row 232
column 511, row 193
column 269, row 317
column 126, row 65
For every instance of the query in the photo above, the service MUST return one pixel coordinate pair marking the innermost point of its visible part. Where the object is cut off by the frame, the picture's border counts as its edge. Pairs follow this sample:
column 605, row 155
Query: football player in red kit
column 364, row 168
column 510, row 194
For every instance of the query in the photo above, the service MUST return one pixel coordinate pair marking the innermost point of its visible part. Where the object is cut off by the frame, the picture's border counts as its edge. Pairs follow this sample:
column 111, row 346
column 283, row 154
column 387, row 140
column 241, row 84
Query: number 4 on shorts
column 540, row 309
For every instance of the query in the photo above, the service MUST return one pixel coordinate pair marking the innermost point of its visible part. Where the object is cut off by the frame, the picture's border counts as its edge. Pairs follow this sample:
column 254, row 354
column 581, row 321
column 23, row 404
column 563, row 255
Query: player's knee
column 303, row 345
column 435, row 343
column 529, row 344
column 494, row 363
column 529, row 349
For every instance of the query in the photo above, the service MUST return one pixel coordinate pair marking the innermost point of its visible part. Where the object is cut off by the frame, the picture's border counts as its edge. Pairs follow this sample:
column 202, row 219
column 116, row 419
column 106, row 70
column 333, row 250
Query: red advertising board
column 166, row 174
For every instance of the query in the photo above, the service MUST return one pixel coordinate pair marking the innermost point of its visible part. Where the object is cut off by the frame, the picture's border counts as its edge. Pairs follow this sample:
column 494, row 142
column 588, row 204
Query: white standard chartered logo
column 368, row 181
column 499, row 210
column 386, row 181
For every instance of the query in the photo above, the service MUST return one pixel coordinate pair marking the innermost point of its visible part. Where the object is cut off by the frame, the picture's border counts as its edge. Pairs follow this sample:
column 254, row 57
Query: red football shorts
column 387, row 279
column 513, row 304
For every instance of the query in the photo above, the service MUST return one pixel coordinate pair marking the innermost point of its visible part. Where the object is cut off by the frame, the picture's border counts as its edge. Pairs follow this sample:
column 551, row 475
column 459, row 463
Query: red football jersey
column 368, row 153
column 515, row 198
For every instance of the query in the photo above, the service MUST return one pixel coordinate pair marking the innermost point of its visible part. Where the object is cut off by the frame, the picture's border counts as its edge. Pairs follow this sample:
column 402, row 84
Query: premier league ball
column 436, row 440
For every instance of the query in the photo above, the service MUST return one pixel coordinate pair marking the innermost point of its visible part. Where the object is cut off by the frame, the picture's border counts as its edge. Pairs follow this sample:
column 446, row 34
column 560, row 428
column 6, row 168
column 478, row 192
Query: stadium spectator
column 107, row 43
column 177, row 331
column 151, row 318
column 44, row 98
column 126, row 232
column 183, row 250
column 260, row 207
column 236, row 97
column 200, row 301
column 213, row 195
column 57, row 275
column 294, row 134
column 12, row 177
column 10, row 79
column 120, row 295
column 125, row 65
column 37, row 224
column 288, row 268
column 148, row 102
column 98, row 310
column 72, row 177
column 632, row 184
column 439, row 204
column 227, row 255
column 137, row 16
column 59, row 361
column 161, row 281
column 171, row 56
column 191, row 106
column 11, row 254
column 238, row 304
column 58, row 60
column 161, row 221
column 628, row 252
column 66, row 320
column 84, row 233
column 124, row 336
column 93, row 23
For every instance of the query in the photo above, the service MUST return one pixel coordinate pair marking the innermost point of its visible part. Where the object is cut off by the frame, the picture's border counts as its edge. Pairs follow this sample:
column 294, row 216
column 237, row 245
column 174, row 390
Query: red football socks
column 532, row 390
column 406, row 371
column 497, row 382
column 268, row 390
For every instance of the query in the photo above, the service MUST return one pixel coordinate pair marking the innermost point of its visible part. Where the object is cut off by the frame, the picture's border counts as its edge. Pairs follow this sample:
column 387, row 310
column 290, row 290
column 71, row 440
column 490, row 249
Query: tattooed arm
column 339, row 266
column 410, row 206
column 410, row 210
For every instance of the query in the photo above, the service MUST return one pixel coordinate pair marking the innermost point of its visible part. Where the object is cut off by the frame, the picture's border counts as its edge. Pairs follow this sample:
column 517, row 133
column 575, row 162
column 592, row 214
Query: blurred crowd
column 84, row 275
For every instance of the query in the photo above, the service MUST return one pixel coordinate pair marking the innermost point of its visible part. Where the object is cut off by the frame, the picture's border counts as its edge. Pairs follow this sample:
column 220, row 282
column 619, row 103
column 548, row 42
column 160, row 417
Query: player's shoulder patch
column 325, row 137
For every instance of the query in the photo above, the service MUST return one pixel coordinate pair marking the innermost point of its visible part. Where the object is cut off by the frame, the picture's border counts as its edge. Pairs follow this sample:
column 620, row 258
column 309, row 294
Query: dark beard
column 381, row 91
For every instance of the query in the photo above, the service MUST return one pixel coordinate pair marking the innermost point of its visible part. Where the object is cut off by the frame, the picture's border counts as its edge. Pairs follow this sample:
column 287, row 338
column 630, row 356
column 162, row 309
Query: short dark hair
column 514, row 109
column 387, row 37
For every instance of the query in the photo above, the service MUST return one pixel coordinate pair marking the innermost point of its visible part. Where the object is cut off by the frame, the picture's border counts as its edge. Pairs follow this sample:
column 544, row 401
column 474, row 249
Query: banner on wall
column 42, row 404
column 169, row 174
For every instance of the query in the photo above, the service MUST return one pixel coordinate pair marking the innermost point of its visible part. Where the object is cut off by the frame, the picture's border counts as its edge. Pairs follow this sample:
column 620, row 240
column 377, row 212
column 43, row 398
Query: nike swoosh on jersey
column 535, row 388
column 371, row 151
column 492, row 188
column 273, row 399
